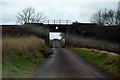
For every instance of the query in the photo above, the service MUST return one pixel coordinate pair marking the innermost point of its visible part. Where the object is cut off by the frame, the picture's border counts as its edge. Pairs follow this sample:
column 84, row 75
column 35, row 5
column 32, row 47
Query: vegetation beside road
column 62, row 43
column 106, row 61
column 22, row 55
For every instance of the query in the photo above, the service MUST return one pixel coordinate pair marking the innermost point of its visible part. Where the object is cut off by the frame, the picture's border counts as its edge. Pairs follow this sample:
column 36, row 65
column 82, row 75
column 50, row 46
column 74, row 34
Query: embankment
column 21, row 56
column 106, row 61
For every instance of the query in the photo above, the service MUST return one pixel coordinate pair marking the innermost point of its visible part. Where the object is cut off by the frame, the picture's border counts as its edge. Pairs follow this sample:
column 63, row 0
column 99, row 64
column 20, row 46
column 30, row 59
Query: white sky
column 54, row 35
column 75, row 10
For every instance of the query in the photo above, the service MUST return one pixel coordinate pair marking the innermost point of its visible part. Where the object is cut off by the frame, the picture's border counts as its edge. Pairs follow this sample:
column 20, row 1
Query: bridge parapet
column 58, row 22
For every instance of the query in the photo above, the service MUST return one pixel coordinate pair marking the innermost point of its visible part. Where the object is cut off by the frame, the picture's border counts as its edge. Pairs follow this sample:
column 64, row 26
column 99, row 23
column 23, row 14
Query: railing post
column 48, row 21
column 59, row 22
column 67, row 21
column 54, row 21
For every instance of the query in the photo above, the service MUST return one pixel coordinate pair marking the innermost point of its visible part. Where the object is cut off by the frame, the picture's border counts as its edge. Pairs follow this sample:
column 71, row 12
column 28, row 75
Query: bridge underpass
column 60, row 29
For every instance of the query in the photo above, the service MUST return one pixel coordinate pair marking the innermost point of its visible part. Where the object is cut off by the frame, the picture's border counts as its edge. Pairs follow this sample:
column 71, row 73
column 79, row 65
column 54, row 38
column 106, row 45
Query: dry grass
column 95, row 50
column 21, row 44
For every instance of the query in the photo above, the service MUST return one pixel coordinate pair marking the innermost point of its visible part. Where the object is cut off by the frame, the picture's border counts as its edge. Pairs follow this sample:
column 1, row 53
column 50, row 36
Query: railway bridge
column 63, row 26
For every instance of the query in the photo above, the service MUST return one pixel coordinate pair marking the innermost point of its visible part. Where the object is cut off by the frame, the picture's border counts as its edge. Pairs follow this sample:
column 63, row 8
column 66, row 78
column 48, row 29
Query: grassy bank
column 106, row 61
column 50, row 43
column 21, row 56
column 62, row 43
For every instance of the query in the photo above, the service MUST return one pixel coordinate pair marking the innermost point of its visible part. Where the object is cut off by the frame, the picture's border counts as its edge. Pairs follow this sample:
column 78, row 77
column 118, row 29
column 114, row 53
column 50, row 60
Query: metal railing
column 60, row 22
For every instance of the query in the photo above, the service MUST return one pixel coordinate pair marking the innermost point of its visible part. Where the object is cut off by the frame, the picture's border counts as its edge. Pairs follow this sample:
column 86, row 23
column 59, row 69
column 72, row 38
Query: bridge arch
column 58, row 26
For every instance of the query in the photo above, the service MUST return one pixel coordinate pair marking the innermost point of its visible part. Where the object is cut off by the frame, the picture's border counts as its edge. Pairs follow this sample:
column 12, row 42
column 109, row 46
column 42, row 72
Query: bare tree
column 62, row 35
column 109, row 18
column 28, row 15
column 106, row 17
column 117, row 17
column 97, row 18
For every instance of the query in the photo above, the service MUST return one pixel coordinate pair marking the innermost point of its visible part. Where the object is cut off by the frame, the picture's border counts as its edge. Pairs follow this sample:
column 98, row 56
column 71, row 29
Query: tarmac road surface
column 64, row 63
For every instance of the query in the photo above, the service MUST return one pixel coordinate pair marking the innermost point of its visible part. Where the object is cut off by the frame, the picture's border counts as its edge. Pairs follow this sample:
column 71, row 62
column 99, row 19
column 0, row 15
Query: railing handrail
column 57, row 22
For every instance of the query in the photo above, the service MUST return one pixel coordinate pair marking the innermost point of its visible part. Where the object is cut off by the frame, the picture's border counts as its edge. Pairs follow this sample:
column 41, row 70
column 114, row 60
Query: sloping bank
column 108, row 62
column 21, row 56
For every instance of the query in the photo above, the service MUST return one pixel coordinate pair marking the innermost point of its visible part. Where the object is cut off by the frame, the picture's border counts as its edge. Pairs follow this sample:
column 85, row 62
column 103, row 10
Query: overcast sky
column 75, row 10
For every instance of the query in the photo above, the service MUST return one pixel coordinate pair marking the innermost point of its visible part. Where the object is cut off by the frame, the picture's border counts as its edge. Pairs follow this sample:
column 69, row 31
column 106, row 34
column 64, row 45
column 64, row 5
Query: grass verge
column 62, row 43
column 108, row 62
column 21, row 56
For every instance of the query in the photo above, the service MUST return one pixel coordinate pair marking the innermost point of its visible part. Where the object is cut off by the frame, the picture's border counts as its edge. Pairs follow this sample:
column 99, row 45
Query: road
column 64, row 63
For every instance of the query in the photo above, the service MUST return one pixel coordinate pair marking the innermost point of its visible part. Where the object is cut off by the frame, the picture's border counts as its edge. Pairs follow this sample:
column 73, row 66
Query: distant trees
column 118, row 17
column 106, row 17
column 62, row 35
column 29, row 15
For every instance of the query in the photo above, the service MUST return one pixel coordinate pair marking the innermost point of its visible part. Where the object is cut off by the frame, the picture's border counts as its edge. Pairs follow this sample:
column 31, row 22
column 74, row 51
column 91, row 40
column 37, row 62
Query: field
column 108, row 62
